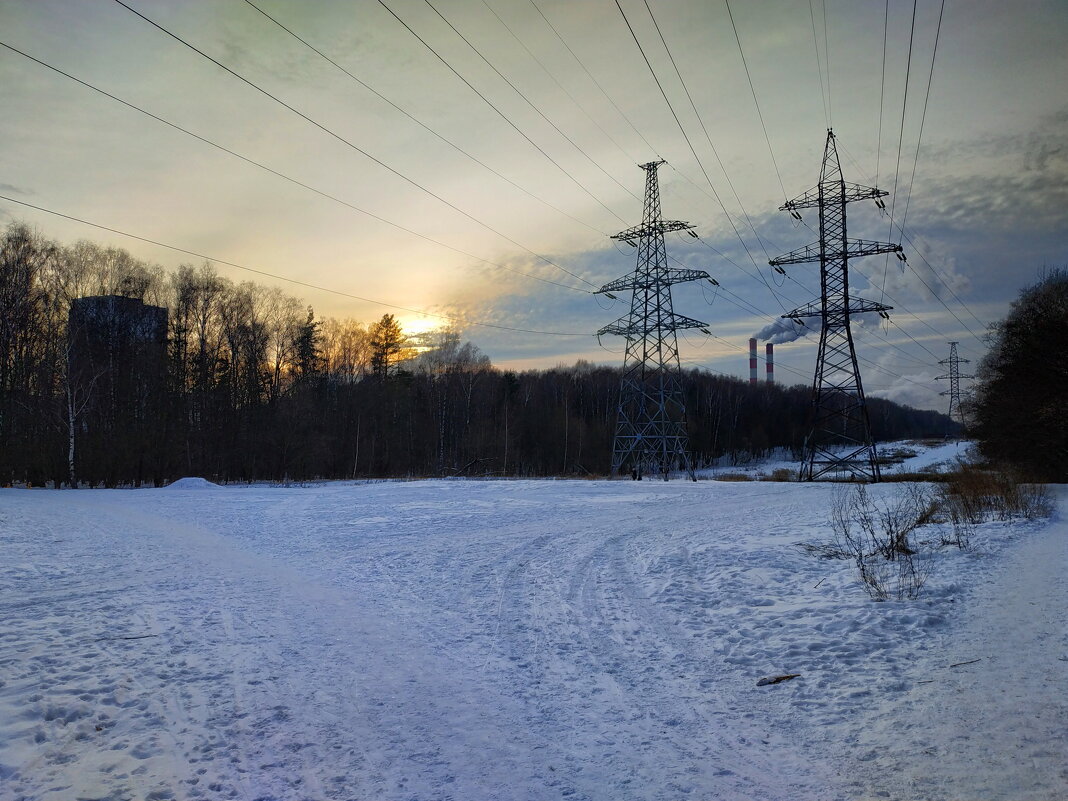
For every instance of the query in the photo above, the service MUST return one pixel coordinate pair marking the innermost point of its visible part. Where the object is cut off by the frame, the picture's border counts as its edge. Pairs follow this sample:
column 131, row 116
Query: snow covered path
column 496, row 640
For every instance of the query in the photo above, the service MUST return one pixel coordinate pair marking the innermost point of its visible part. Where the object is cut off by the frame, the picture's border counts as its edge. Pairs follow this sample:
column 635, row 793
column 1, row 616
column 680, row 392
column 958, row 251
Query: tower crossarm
column 651, row 228
column 652, row 279
column 627, row 327
column 851, row 193
column 863, row 305
column 856, row 306
column 812, row 309
column 855, row 248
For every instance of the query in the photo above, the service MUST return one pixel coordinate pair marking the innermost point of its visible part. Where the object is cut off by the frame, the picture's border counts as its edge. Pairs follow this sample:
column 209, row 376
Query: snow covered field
column 514, row 640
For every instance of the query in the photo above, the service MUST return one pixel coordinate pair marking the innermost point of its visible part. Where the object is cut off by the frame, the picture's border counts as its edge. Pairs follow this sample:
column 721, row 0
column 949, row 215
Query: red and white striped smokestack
column 752, row 361
column 769, row 360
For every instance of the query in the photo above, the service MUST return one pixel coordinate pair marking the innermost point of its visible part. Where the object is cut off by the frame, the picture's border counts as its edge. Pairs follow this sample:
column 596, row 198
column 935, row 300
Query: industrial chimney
column 752, row 360
column 769, row 360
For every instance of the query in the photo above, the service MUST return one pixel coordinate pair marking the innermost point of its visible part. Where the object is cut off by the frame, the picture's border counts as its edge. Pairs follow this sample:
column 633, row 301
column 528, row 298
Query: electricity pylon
column 839, row 441
column 651, row 422
column 953, row 376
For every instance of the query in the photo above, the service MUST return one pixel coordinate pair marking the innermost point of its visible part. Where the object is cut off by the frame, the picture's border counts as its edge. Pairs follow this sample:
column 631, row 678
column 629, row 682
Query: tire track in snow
column 598, row 690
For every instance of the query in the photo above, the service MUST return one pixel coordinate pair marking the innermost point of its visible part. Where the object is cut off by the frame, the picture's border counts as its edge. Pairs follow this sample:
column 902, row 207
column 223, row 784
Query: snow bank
column 192, row 483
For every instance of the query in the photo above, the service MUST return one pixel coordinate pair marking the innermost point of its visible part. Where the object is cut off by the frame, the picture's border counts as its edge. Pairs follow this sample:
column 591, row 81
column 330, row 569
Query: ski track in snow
column 521, row 639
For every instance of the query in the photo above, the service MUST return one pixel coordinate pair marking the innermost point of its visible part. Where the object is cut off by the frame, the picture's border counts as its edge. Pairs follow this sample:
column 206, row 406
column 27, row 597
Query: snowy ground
column 513, row 639
column 907, row 456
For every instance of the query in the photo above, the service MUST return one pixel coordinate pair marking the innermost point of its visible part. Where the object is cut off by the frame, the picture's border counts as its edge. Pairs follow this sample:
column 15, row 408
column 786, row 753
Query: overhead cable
column 349, row 144
column 756, row 102
column 283, row 176
column 901, row 132
column 923, row 117
column 882, row 91
column 686, row 137
column 580, row 106
column 701, row 121
column 420, row 123
column 500, row 113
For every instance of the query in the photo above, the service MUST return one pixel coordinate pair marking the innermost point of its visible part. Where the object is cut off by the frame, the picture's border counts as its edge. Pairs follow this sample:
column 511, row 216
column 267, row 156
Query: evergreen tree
column 387, row 344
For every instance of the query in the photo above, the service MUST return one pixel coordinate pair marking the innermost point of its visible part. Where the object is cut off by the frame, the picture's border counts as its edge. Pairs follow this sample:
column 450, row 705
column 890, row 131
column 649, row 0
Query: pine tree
column 387, row 344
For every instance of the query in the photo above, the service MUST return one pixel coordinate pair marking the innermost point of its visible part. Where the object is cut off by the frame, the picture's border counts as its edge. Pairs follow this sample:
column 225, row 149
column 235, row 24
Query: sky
column 421, row 174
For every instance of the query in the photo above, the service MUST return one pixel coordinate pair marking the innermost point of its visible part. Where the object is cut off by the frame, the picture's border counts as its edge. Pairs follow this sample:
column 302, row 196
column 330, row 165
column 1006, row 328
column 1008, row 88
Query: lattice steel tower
column 839, row 441
column 953, row 376
column 651, row 424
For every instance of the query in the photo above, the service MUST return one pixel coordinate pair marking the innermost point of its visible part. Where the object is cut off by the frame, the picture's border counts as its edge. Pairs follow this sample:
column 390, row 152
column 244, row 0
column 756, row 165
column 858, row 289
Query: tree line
column 1019, row 405
column 242, row 382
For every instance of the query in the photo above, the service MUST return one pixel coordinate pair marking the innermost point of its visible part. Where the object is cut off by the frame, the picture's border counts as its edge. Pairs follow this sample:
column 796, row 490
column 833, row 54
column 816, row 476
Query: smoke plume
column 782, row 330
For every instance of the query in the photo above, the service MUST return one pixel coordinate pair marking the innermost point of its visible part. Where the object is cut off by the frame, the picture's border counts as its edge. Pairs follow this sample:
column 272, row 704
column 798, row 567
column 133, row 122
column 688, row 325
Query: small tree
column 1021, row 399
column 387, row 340
column 308, row 346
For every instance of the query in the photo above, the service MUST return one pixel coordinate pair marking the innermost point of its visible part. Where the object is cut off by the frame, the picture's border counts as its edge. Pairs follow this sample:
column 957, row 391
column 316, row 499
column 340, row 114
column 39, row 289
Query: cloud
column 911, row 390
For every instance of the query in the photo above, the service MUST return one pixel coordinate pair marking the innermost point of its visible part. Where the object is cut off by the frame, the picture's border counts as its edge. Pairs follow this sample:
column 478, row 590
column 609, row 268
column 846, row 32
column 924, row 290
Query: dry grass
column 733, row 477
column 781, row 474
column 975, row 493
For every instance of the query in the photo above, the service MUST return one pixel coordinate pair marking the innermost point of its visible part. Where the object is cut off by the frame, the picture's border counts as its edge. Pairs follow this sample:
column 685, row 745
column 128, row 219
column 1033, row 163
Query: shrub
column 781, row 474
column 876, row 536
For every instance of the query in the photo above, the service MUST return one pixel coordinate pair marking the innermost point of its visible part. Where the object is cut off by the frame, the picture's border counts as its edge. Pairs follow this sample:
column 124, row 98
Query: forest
column 236, row 382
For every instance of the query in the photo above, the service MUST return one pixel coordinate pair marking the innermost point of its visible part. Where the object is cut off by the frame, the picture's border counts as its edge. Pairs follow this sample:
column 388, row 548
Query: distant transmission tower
column 651, row 424
column 839, row 441
column 953, row 376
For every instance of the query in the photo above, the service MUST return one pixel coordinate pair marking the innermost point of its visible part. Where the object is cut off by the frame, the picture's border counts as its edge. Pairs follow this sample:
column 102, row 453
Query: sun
column 413, row 326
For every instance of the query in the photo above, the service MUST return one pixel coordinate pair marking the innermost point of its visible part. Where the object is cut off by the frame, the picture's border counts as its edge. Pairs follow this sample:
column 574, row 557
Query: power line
column 420, row 123
column 594, row 79
column 944, row 282
column 935, row 272
column 553, row 78
column 819, row 64
column 527, row 100
column 882, row 91
column 752, row 309
column 701, row 121
column 827, row 61
column 278, row 277
column 897, row 303
column 907, row 311
column 901, row 133
column 919, row 253
column 285, row 177
column 715, row 196
column 923, row 117
column 349, row 144
column 500, row 113
column 756, row 103
column 867, row 361
column 937, row 297
column 686, row 137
